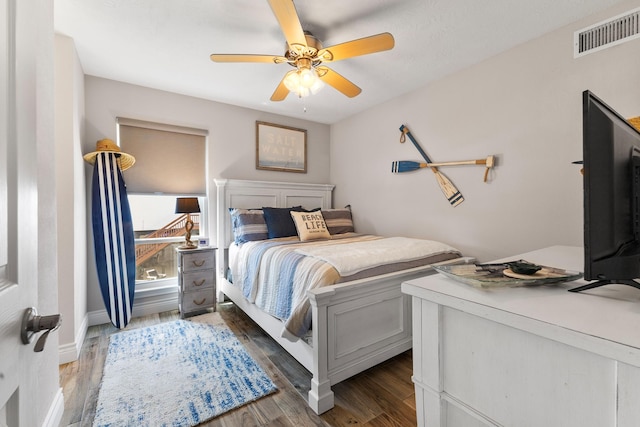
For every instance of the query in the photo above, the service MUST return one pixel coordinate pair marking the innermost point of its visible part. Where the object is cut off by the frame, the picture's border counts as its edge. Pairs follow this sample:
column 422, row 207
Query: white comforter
column 354, row 257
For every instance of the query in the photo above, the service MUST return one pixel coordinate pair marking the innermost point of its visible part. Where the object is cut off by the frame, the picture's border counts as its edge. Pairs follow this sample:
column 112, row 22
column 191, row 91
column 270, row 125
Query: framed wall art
column 281, row 148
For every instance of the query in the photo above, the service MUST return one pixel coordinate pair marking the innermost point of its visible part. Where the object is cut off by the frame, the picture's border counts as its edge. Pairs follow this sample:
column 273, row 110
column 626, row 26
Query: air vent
column 614, row 31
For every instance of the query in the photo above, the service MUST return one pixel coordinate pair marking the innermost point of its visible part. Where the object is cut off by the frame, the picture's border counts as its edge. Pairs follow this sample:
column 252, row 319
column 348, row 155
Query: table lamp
column 187, row 205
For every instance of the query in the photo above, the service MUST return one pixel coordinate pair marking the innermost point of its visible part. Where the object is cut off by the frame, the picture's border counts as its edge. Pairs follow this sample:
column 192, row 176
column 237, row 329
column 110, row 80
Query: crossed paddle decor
column 450, row 191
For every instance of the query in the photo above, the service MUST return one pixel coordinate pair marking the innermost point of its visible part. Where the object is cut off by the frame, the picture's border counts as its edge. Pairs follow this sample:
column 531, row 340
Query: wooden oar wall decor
column 450, row 191
column 408, row 166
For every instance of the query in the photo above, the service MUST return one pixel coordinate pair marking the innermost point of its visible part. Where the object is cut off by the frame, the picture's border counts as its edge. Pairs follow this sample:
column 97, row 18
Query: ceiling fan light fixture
column 303, row 82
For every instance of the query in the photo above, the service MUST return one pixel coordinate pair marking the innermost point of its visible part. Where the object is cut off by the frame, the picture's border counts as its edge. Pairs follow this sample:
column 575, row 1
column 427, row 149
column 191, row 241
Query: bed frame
column 356, row 325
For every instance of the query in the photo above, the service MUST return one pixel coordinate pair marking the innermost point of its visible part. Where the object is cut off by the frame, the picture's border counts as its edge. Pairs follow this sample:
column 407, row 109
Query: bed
column 334, row 330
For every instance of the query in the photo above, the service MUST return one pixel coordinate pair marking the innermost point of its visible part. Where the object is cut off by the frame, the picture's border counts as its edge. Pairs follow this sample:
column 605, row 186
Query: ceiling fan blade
column 287, row 17
column 334, row 79
column 281, row 92
column 363, row 46
column 271, row 59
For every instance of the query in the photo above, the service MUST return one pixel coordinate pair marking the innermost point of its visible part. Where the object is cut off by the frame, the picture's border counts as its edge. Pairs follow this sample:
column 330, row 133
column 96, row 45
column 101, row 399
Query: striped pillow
column 338, row 220
column 248, row 225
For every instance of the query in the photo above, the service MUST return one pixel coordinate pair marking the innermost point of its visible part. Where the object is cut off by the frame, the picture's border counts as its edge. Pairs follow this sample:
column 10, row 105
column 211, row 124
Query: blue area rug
column 179, row 373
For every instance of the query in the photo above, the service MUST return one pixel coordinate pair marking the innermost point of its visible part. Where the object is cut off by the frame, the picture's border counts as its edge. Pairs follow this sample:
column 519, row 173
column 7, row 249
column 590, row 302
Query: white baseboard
column 55, row 412
column 71, row 351
column 142, row 306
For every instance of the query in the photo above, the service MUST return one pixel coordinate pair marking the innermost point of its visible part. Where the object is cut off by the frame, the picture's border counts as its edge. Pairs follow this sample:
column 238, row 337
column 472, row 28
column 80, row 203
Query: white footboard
column 356, row 326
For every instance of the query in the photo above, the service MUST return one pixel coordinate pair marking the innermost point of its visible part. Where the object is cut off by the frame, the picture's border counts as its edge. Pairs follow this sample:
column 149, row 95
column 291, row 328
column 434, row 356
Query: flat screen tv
column 611, row 161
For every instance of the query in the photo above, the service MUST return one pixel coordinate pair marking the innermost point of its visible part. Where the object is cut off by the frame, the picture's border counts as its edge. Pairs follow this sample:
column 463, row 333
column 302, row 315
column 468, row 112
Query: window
column 170, row 163
column 158, row 231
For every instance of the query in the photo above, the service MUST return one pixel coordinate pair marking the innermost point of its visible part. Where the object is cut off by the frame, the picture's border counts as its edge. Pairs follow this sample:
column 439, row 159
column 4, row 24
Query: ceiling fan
column 306, row 54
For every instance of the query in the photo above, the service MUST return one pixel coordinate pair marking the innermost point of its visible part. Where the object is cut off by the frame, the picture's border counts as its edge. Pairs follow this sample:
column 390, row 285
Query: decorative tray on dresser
column 196, row 280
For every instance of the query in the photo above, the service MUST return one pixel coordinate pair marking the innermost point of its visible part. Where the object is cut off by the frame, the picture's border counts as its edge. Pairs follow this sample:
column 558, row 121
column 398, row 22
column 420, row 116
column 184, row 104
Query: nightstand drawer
column 197, row 300
column 198, row 279
column 200, row 260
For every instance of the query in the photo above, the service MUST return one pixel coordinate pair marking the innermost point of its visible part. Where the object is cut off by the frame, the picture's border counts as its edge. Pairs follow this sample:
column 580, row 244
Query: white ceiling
column 165, row 44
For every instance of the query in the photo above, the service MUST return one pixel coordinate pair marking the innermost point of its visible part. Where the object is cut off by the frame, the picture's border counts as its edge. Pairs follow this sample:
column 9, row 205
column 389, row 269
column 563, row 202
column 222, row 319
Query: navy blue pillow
column 279, row 221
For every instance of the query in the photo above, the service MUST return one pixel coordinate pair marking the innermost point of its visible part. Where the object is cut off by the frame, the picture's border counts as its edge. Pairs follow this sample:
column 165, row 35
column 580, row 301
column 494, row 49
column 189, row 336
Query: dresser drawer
column 198, row 279
column 200, row 260
column 197, row 300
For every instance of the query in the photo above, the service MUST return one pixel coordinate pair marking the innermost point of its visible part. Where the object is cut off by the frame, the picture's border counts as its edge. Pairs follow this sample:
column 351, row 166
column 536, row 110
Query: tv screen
column 611, row 158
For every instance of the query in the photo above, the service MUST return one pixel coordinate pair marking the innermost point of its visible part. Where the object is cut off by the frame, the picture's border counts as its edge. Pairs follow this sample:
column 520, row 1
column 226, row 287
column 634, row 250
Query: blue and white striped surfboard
column 113, row 239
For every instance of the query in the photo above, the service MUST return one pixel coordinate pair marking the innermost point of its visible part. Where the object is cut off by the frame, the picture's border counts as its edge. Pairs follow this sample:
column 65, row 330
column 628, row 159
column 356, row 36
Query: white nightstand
column 196, row 280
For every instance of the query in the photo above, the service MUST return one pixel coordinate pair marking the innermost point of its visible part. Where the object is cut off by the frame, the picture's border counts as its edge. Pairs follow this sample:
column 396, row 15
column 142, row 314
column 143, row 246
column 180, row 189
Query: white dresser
column 196, row 280
column 526, row 356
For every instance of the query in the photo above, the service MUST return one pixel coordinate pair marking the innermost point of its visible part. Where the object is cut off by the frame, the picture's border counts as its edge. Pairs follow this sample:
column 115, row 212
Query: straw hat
column 125, row 161
column 635, row 122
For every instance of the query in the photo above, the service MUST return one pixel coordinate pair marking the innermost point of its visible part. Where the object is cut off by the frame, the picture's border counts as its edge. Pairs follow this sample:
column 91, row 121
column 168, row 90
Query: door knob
column 32, row 323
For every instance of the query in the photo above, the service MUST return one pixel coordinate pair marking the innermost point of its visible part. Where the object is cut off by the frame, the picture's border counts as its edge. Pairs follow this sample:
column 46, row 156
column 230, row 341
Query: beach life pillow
column 279, row 221
column 310, row 225
column 338, row 220
column 248, row 225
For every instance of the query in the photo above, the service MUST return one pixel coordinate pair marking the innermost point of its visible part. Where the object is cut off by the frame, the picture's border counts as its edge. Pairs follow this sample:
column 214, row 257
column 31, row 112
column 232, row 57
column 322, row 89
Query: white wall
column 525, row 106
column 230, row 144
column 71, row 200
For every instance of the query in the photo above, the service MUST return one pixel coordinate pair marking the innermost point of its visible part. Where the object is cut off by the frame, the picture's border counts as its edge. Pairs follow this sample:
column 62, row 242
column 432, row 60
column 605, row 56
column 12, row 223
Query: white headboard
column 233, row 193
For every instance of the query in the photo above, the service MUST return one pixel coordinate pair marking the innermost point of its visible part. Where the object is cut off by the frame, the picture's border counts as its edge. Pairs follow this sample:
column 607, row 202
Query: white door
column 18, row 212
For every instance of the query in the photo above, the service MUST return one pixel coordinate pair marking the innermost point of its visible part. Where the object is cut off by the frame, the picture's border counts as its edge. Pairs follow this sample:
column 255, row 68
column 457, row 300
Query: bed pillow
column 279, row 221
column 310, row 225
column 248, row 225
column 338, row 220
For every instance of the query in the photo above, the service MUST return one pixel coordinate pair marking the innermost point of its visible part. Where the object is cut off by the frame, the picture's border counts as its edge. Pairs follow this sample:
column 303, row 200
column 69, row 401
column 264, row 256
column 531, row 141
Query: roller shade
column 169, row 159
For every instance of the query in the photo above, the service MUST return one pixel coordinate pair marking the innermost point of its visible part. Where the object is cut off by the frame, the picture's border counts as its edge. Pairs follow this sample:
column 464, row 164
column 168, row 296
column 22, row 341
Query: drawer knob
column 200, row 283
column 201, row 302
column 198, row 264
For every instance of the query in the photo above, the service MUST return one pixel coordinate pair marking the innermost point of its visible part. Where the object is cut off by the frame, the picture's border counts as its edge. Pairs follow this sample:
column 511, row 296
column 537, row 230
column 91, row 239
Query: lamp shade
column 187, row 205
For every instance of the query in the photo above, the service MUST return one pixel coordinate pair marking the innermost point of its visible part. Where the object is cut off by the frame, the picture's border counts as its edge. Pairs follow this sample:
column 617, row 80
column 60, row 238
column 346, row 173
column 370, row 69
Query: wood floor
column 380, row 396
